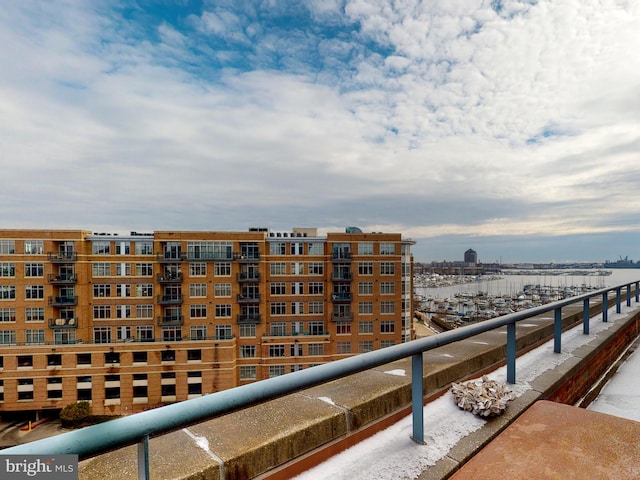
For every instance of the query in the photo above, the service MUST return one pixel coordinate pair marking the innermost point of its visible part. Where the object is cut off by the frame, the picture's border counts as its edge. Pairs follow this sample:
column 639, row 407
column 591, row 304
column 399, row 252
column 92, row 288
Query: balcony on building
column 342, row 297
column 196, row 256
column 62, row 257
column 62, row 278
column 62, row 301
column 173, row 299
column 170, row 257
column 250, row 298
column 341, row 277
column 248, row 318
column 170, row 277
column 340, row 256
column 248, row 277
column 247, row 258
column 170, row 320
column 63, row 323
column 342, row 317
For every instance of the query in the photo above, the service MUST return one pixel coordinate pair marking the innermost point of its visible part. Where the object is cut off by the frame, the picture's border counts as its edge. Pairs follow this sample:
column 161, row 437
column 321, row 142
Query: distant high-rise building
column 130, row 322
column 471, row 257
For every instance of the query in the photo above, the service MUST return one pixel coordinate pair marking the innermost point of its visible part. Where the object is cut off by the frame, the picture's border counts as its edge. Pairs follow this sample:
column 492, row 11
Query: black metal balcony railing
column 170, row 257
column 341, row 277
column 62, row 301
column 342, row 297
column 252, row 298
column 248, row 318
column 248, row 277
column 210, row 256
column 244, row 258
column 62, row 278
column 170, row 277
column 173, row 299
column 342, row 317
column 62, row 257
column 341, row 257
column 63, row 323
column 170, row 320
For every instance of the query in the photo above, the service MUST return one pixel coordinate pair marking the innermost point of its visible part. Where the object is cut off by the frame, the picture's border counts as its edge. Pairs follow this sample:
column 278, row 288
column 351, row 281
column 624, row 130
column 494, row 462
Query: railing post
column 605, row 306
column 557, row 330
column 417, row 398
column 618, row 299
column 629, row 295
column 637, row 292
column 143, row 458
column 585, row 316
column 511, row 352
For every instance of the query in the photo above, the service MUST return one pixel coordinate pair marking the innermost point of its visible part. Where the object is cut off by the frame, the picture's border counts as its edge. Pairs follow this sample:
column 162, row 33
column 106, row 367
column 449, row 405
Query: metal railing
column 139, row 428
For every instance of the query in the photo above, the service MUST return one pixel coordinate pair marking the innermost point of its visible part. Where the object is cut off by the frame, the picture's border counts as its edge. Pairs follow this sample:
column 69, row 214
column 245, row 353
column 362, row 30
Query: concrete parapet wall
column 282, row 437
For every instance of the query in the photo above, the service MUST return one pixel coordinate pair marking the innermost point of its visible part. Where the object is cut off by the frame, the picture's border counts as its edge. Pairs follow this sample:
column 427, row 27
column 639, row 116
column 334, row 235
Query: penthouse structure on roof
column 129, row 322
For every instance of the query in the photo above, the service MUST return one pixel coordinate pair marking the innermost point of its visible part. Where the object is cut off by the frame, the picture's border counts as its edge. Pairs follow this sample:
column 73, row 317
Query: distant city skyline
column 509, row 127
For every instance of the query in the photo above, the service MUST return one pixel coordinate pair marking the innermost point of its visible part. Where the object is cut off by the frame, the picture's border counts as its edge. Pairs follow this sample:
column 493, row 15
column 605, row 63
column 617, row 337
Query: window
column 276, row 350
column 316, row 268
column 123, row 290
column 365, row 308
column 365, row 248
column 101, row 290
column 387, row 268
column 297, row 288
column 198, row 311
column 64, row 336
column 297, row 308
column 387, row 307
column 278, row 308
column 198, row 332
column 365, row 327
column 144, row 290
column 54, row 359
column 83, row 359
column 194, row 355
column 365, row 288
column 144, row 247
column 34, row 292
column 7, row 337
column 222, row 290
column 365, row 346
column 101, row 334
column 111, row 358
column 144, row 311
column 297, row 268
column 144, row 333
column 277, row 248
column 101, row 269
column 34, row 336
column 25, row 361
column 343, row 348
column 7, row 247
column 316, row 308
column 144, row 269
column 247, row 330
column 222, row 270
column 276, row 370
column 248, row 372
column 387, row 288
column 278, row 329
column 194, row 388
column 34, row 314
column 7, row 269
column 198, row 290
column 316, row 288
column 25, row 389
column 223, row 310
column 387, row 248
column 223, row 332
column 123, row 333
column 198, row 269
column 316, row 349
column 386, row 343
column 387, row 326
column 171, row 334
column 316, row 248
column 101, row 247
column 247, row 351
column 33, row 247
column 123, row 269
column 278, row 288
column 139, row 357
column 277, row 268
column 168, row 356
column 34, row 269
column 123, row 248
column 316, row 328
column 7, row 314
column 365, row 268
column 343, row 328
column 101, row 311
column 297, row 248
column 7, row 292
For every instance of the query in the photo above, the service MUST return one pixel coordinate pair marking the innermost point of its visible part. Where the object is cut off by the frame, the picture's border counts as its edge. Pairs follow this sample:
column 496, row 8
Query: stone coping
column 282, row 437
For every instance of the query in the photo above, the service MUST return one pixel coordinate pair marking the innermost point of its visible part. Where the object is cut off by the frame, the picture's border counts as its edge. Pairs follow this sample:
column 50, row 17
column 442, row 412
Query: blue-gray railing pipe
column 132, row 429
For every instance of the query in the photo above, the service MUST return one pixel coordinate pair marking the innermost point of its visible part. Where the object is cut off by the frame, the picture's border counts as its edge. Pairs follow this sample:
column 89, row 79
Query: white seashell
column 485, row 397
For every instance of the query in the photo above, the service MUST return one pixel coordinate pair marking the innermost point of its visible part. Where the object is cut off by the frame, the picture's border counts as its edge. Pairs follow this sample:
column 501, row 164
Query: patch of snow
column 398, row 373
column 327, row 400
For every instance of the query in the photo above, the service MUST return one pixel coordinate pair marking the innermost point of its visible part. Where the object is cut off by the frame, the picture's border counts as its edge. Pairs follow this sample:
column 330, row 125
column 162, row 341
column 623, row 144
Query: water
column 512, row 284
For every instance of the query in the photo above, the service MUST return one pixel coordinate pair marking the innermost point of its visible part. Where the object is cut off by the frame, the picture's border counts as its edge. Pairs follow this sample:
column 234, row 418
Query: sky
column 509, row 127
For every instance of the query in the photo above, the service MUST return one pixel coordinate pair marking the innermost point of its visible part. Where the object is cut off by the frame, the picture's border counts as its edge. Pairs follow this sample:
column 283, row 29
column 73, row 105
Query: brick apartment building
column 130, row 322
